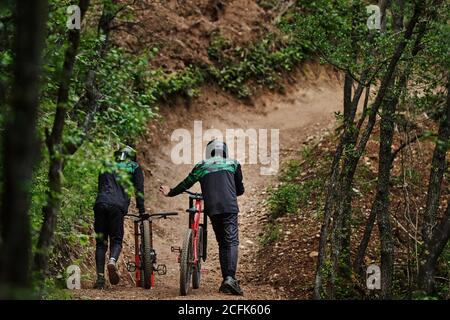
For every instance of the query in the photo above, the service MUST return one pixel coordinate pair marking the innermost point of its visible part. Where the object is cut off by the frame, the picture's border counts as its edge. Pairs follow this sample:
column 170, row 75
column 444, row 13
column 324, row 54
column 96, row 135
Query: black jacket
column 112, row 186
column 221, row 183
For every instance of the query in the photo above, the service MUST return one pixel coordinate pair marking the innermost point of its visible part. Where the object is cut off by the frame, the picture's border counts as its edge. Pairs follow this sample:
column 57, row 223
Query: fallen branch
column 407, row 143
column 406, row 231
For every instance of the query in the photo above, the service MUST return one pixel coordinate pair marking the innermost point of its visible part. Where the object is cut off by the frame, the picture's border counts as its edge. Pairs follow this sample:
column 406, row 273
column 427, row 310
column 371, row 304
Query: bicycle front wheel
column 186, row 266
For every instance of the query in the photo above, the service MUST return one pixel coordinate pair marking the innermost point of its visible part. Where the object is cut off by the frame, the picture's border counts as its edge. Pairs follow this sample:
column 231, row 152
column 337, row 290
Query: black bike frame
column 138, row 247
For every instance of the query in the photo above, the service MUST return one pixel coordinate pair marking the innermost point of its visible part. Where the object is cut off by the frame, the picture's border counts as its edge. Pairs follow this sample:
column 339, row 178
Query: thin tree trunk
column 437, row 237
column 350, row 106
column 377, row 207
column 436, row 245
column 386, row 158
column 381, row 207
column 385, row 84
column 20, row 146
column 383, row 5
column 398, row 13
column 438, row 167
column 336, row 245
column 329, row 201
column 54, row 146
column 362, row 248
column 89, row 103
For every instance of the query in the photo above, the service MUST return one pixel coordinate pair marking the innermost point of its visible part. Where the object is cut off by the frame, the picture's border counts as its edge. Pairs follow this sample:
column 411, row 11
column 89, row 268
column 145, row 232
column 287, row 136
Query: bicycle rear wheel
column 196, row 276
column 146, row 258
column 186, row 266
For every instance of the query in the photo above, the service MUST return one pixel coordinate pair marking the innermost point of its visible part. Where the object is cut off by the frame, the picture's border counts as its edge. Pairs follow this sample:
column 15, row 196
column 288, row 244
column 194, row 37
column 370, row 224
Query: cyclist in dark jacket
column 111, row 205
column 221, row 182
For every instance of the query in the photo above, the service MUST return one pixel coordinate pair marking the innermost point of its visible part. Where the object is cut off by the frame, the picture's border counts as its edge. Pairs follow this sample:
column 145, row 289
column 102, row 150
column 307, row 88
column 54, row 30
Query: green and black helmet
column 216, row 148
column 125, row 153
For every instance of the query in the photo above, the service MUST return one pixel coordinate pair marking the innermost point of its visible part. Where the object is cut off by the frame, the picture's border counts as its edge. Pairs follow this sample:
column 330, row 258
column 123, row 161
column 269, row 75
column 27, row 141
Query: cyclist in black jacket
column 110, row 208
column 221, row 183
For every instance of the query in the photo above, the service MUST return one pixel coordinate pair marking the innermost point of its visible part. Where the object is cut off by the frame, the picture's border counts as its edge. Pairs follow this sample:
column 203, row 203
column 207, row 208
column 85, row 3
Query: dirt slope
column 306, row 108
column 182, row 30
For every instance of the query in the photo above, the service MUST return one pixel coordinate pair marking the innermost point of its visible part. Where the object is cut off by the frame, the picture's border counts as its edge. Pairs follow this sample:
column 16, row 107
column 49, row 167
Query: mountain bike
column 194, row 247
column 145, row 255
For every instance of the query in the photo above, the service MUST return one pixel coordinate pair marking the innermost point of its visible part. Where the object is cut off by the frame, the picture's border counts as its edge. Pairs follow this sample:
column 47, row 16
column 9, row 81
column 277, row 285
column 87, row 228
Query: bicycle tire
column 141, row 279
column 185, row 263
column 196, row 276
column 147, row 260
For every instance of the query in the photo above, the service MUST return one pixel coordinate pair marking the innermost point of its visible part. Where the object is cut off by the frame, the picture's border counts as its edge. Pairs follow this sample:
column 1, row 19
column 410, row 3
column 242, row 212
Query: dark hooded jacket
column 221, row 182
column 115, row 182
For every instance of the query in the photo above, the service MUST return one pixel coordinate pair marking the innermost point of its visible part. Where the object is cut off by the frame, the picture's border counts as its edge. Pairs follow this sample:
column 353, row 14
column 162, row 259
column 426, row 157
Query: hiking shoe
column 233, row 285
column 112, row 272
column 223, row 288
column 100, row 283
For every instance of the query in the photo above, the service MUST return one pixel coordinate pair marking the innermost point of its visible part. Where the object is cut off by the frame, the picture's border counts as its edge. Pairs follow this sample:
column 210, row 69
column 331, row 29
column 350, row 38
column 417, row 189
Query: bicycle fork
column 137, row 257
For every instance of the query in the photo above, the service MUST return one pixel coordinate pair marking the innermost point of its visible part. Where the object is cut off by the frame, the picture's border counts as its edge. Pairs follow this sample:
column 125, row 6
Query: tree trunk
column 334, row 185
column 336, row 244
column 382, row 197
column 89, row 102
column 383, row 5
column 20, row 147
column 436, row 245
column 438, row 237
column 438, row 167
column 54, row 146
column 362, row 248
column 398, row 12
column 378, row 206
column 350, row 107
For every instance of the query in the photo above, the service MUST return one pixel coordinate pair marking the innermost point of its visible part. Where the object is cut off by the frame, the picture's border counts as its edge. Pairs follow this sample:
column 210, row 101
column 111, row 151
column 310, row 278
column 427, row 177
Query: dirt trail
column 305, row 109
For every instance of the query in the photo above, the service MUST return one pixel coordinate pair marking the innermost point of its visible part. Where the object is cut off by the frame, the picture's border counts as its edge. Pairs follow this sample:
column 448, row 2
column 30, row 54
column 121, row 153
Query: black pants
column 225, row 227
column 108, row 225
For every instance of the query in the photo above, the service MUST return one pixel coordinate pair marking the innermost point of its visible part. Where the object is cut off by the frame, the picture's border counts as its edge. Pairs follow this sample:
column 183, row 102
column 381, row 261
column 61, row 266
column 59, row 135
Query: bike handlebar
column 194, row 194
column 152, row 216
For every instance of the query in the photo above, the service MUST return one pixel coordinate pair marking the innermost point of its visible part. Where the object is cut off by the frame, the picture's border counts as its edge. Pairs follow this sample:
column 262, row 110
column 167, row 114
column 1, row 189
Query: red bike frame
column 195, row 226
column 196, row 203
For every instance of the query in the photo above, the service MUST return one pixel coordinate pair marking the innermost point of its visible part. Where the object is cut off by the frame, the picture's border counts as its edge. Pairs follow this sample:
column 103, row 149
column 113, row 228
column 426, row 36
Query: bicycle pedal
column 131, row 266
column 161, row 269
column 175, row 249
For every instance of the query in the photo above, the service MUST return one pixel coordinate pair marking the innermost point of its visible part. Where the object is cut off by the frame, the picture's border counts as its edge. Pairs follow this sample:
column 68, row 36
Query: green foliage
column 217, row 47
column 290, row 171
column 294, row 192
column 272, row 233
column 54, row 289
column 184, row 83
column 129, row 92
column 260, row 63
column 127, row 101
column 284, row 199
column 342, row 38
